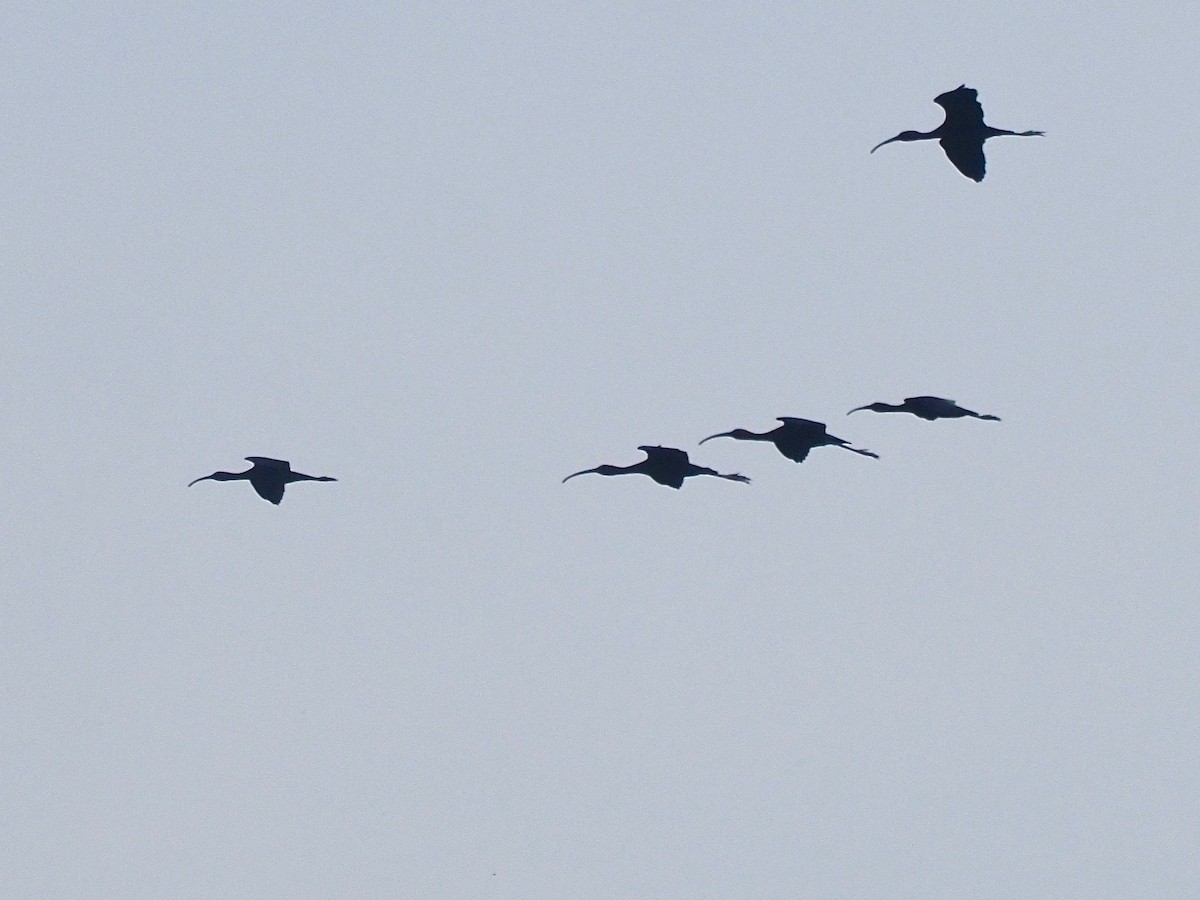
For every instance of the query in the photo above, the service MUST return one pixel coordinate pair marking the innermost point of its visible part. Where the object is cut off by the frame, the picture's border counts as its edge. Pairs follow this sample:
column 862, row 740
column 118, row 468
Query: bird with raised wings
column 794, row 438
column 267, row 476
column 963, row 132
column 666, row 465
column 929, row 408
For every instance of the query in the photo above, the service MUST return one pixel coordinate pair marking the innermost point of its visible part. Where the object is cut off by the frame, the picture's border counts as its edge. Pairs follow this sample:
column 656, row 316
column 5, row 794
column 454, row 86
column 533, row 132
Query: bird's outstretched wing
column 927, row 399
column 267, row 463
column 794, row 452
column 937, row 405
column 798, row 436
column 806, row 427
column 967, row 155
column 961, row 104
column 666, row 455
column 268, row 488
column 670, row 479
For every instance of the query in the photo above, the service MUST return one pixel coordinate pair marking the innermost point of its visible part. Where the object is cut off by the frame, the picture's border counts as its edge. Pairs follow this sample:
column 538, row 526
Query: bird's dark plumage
column 962, row 133
column 928, row 408
column 794, row 438
column 666, row 465
column 967, row 156
column 267, row 476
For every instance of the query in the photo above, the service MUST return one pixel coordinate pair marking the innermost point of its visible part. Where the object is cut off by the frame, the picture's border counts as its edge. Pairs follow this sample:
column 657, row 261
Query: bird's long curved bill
column 574, row 474
column 204, row 478
column 857, row 408
column 881, row 143
column 722, row 434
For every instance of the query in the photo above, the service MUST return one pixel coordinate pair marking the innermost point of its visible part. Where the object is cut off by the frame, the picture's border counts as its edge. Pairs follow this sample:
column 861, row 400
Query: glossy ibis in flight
column 794, row 438
column 666, row 465
column 927, row 408
column 267, row 476
column 962, row 133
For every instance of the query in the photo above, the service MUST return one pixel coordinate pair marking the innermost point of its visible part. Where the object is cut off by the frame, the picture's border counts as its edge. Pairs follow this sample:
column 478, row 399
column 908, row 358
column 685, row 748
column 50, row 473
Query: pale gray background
column 453, row 252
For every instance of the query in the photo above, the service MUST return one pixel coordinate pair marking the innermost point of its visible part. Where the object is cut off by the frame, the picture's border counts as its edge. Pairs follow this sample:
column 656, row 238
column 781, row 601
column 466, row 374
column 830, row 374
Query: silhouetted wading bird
column 794, row 438
column 267, row 476
column 927, row 408
column 666, row 465
column 963, row 133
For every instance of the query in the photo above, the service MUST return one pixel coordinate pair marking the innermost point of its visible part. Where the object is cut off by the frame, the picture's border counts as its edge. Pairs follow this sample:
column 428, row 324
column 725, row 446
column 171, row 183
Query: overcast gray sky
column 454, row 252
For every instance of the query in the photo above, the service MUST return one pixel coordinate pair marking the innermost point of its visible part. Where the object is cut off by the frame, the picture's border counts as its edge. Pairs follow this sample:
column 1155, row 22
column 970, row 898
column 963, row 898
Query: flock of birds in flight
column 794, row 439
column 962, row 135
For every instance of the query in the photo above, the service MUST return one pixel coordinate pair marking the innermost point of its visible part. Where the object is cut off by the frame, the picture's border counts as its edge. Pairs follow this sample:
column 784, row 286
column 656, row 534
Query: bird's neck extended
column 742, row 434
column 908, row 136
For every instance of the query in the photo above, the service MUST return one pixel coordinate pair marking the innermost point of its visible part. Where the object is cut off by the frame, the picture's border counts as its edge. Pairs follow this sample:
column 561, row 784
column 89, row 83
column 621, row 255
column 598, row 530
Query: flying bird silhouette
column 666, row 465
column 962, row 133
column 927, row 408
column 267, row 476
column 794, row 438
